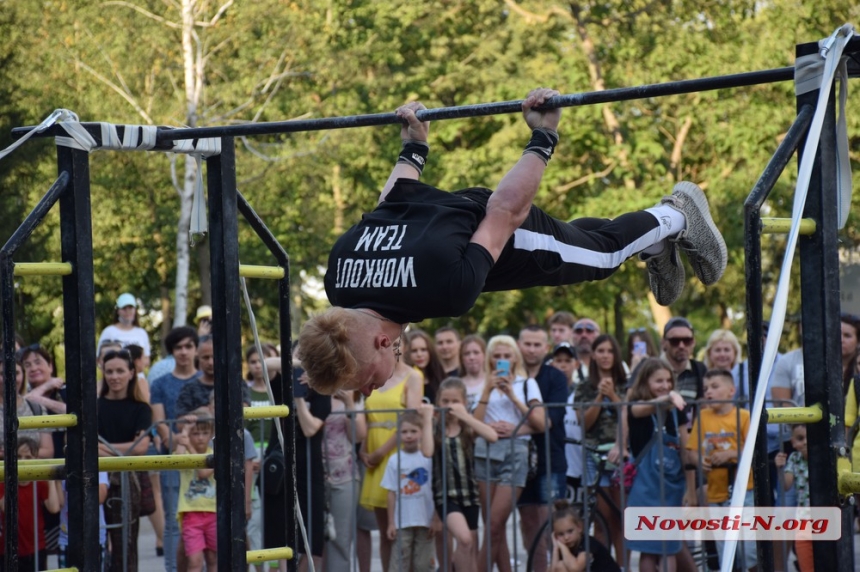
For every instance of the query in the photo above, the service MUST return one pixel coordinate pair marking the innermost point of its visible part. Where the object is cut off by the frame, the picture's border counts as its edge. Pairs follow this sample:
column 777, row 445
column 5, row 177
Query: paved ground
column 149, row 562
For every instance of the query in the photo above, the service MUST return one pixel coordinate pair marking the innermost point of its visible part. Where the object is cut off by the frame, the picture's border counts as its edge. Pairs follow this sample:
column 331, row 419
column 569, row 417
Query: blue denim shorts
column 537, row 491
column 513, row 469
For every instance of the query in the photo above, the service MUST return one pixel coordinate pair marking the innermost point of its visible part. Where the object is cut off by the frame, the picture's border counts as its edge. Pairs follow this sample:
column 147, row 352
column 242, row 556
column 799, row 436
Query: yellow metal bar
column 41, row 472
column 264, row 272
column 783, row 225
column 156, row 463
column 65, row 570
column 810, row 414
column 266, row 412
column 53, row 469
column 47, row 421
column 36, row 462
column 848, row 482
column 269, row 554
column 42, row 269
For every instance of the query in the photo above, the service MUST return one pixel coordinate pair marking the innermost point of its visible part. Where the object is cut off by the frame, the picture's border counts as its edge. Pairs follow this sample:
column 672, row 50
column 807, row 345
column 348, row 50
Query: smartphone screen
column 299, row 389
column 503, row 366
column 640, row 348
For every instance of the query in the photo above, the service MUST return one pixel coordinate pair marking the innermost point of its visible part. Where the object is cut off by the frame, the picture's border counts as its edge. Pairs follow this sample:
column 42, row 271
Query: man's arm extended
column 414, row 132
column 510, row 204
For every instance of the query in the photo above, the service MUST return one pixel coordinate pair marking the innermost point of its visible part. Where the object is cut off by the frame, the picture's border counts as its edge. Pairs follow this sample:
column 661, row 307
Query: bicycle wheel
column 597, row 528
column 540, row 551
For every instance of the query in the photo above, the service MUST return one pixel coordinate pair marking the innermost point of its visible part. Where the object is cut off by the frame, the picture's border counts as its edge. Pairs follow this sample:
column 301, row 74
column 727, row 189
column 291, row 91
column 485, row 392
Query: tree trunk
column 337, row 197
column 183, row 256
column 165, row 323
column 193, row 68
column 661, row 314
column 597, row 84
column 618, row 311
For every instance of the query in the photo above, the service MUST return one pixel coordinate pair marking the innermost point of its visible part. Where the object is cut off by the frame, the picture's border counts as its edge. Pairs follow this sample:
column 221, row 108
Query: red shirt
column 26, row 525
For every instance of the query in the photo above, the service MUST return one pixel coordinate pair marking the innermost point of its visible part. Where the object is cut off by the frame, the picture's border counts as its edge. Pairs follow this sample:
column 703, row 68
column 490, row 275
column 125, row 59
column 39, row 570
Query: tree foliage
column 278, row 59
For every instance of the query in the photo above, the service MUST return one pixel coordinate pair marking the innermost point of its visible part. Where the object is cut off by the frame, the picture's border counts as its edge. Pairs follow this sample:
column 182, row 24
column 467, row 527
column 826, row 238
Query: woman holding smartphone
column 640, row 346
column 602, row 421
column 501, row 468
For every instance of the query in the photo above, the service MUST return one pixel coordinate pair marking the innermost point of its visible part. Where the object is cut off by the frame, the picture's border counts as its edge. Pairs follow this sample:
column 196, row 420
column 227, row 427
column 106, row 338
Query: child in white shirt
column 408, row 479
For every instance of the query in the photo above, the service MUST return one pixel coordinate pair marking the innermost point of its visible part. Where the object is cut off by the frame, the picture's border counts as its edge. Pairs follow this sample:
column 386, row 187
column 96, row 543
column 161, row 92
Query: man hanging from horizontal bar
column 426, row 253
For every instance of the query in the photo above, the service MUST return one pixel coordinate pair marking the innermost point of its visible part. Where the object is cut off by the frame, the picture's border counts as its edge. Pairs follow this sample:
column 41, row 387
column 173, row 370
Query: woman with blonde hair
column 723, row 350
column 501, row 468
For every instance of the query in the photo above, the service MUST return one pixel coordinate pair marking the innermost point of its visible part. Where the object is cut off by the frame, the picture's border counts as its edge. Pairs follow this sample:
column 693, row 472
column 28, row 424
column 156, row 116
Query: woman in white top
column 501, row 468
column 473, row 361
column 126, row 329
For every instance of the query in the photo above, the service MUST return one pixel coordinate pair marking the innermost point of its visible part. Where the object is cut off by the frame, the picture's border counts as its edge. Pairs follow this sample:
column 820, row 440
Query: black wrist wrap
column 414, row 153
column 542, row 143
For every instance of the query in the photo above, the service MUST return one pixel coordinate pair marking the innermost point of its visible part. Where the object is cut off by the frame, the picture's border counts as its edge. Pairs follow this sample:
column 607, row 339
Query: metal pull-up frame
column 72, row 189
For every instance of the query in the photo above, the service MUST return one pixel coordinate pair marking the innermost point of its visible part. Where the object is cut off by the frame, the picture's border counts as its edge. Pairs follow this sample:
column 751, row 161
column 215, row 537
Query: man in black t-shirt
column 426, row 253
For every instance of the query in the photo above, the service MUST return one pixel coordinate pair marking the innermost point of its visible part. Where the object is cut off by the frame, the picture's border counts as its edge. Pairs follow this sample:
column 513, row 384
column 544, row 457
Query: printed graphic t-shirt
column 196, row 494
column 415, row 246
column 720, row 432
column 414, row 483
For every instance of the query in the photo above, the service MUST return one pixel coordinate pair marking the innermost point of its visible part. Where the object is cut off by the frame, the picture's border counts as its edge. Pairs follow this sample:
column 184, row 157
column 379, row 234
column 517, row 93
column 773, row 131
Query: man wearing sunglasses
column 678, row 344
column 585, row 331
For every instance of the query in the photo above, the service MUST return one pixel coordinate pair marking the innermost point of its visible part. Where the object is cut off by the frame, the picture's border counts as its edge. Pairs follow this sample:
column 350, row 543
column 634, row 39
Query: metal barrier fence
column 584, row 496
column 37, row 470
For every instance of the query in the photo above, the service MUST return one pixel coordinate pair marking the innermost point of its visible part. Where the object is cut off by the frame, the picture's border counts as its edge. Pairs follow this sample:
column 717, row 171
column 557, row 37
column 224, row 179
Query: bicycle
column 585, row 498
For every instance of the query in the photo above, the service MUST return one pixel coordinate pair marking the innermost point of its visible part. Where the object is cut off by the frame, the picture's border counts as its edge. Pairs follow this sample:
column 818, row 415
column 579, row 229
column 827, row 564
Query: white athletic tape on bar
column 143, row 137
column 133, row 137
column 831, row 52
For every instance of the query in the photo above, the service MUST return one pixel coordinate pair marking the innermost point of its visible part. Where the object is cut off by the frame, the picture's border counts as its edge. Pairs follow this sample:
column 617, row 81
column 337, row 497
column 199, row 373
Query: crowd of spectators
column 519, row 422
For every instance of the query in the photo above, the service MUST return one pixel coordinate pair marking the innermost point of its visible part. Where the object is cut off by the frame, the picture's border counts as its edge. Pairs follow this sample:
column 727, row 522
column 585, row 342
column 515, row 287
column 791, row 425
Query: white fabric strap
column 57, row 115
column 831, row 52
column 199, row 221
column 809, row 74
column 198, row 148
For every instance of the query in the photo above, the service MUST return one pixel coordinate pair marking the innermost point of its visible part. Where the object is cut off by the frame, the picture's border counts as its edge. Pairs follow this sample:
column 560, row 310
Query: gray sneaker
column 701, row 241
column 665, row 273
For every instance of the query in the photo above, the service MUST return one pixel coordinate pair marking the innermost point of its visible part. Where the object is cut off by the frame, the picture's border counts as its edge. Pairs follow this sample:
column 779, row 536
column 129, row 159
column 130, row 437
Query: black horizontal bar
column 166, row 135
column 36, row 216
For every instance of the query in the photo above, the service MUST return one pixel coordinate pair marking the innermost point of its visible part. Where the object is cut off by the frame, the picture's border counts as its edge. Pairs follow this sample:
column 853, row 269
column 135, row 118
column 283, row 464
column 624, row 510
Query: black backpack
column 273, row 471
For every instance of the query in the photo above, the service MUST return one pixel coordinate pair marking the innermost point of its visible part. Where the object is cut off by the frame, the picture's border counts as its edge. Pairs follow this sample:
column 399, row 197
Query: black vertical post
column 822, row 355
column 752, row 253
column 761, row 470
column 10, row 420
column 7, row 303
column 288, row 424
column 79, row 320
column 227, row 336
